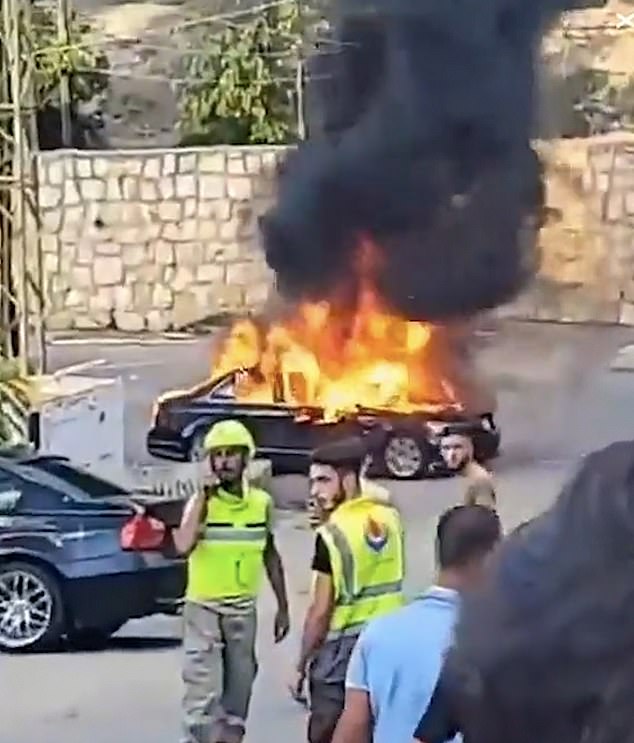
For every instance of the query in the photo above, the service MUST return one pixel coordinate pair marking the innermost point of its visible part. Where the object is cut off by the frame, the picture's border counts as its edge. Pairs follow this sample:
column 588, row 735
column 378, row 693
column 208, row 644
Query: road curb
column 624, row 360
column 102, row 340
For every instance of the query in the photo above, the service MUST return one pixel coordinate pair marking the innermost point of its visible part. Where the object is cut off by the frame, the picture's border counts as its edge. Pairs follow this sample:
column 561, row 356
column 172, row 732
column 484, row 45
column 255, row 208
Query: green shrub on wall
column 80, row 60
column 243, row 82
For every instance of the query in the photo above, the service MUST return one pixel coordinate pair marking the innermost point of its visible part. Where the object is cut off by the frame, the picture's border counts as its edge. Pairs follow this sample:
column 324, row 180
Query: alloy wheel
column 26, row 609
column 403, row 457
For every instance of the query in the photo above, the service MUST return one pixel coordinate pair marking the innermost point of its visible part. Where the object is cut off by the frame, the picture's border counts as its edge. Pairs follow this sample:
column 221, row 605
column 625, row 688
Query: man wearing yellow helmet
column 227, row 532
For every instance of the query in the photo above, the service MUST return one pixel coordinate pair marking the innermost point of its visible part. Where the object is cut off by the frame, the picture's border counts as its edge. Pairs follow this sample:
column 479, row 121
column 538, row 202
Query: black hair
column 346, row 454
column 466, row 533
column 456, row 429
column 549, row 637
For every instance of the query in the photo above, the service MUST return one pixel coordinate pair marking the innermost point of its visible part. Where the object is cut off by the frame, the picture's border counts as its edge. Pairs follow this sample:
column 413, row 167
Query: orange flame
column 340, row 360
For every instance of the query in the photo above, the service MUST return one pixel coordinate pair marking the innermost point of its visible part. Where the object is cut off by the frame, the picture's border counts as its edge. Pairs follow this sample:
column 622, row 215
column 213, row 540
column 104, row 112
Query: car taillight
column 159, row 416
column 143, row 532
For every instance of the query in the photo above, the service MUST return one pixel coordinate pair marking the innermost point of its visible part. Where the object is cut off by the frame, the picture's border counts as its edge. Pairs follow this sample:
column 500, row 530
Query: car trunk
column 164, row 508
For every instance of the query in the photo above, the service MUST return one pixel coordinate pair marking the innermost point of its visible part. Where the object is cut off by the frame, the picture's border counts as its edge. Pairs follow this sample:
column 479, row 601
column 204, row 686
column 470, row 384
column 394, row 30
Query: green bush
column 242, row 84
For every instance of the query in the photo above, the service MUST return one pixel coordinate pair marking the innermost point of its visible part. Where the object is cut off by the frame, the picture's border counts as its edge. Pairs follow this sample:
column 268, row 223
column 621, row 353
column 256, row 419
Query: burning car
column 326, row 372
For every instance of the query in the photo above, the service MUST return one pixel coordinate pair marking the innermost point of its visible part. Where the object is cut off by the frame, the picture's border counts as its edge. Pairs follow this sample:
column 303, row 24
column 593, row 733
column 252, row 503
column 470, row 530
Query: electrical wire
column 190, row 80
column 133, row 43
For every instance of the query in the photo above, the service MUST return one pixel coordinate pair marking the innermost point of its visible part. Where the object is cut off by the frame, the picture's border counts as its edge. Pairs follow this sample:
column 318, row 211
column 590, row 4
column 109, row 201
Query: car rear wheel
column 31, row 608
column 94, row 638
column 404, row 458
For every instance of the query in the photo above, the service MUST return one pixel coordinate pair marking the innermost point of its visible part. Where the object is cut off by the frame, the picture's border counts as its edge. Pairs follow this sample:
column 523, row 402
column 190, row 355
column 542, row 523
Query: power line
column 223, row 17
column 189, row 80
column 133, row 43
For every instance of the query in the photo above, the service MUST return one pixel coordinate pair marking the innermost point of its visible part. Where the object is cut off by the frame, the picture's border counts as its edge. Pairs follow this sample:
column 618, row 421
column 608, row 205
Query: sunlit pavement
column 558, row 399
column 130, row 692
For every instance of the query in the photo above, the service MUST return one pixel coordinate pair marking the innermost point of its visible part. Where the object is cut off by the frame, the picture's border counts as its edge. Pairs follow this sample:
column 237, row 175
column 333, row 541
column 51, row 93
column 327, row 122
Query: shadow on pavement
column 126, row 644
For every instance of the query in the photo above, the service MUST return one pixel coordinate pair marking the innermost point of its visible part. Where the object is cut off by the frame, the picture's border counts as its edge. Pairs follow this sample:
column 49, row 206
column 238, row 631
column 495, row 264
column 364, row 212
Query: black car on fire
column 405, row 445
column 79, row 556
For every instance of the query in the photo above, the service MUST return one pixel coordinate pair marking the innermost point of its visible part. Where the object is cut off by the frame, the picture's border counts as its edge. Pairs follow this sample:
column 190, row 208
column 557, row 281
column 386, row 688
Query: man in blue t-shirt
column 397, row 660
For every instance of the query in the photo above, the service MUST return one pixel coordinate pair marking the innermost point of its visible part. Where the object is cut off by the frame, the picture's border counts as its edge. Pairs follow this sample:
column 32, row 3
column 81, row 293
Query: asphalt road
column 557, row 400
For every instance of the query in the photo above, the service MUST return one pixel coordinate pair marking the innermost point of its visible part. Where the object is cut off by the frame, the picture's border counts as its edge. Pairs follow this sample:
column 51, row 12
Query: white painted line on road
column 101, row 341
column 624, row 359
column 78, row 368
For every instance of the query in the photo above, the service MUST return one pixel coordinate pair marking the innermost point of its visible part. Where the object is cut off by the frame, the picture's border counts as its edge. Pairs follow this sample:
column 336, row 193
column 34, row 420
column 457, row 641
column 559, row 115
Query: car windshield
column 225, row 389
column 94, row 486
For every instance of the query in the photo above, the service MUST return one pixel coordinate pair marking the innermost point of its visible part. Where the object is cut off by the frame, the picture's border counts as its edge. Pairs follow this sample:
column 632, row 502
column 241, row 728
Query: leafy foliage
column 15, row 396
column 604, row 102
column 78, row 59
column 243, row 82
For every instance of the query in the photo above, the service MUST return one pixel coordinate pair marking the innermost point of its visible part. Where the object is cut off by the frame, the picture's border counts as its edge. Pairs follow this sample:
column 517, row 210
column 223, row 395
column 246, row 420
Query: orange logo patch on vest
column 376, row 534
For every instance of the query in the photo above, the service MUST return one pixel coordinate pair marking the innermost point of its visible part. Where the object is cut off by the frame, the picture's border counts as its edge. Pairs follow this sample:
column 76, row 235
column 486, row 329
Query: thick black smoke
column 546, row 650
column 423, row 122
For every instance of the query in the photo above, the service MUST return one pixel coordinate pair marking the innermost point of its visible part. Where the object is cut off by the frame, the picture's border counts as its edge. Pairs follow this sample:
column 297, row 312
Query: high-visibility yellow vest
column 228, row 561
column 365, row 543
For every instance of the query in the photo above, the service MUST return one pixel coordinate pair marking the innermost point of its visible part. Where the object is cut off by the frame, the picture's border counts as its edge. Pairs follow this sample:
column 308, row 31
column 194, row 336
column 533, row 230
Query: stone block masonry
column 154, row 239
column 162, row 239
column 587, row 243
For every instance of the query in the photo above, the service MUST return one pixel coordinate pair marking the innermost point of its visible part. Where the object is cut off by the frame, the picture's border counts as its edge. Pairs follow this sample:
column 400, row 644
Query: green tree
column 240, row 89
column 80, row 59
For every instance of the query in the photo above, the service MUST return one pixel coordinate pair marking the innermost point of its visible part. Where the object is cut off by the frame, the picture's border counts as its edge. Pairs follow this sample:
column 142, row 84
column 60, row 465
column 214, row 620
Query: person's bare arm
column 186, row 535
column 275, row 574
column 317, row 619
column 355, row 723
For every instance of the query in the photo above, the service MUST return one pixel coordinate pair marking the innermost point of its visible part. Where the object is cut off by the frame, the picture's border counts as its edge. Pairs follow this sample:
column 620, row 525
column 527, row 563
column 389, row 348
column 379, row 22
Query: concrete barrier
column 183, row 479
column 290, row 492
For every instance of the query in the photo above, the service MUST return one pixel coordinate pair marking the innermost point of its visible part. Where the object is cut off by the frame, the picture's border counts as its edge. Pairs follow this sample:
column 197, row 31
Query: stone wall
column 160, row 239
column 587, row 244
column 153, row 239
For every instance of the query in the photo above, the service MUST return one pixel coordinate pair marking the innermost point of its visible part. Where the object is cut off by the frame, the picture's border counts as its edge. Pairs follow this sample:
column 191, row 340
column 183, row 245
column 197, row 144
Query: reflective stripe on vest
column 349, row 597
column 346, row 532
column 229, row 534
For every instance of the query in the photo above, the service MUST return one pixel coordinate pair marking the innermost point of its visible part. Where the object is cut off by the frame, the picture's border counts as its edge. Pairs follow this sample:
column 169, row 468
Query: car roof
column 26, row 468
column 11, row 461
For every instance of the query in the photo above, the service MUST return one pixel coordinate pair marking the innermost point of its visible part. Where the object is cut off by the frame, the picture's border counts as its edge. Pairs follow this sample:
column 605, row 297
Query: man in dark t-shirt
column 335, row 477
column 321, row 558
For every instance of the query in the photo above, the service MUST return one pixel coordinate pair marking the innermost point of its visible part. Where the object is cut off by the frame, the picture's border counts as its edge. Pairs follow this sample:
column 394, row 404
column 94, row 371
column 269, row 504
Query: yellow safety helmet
column 229, row 433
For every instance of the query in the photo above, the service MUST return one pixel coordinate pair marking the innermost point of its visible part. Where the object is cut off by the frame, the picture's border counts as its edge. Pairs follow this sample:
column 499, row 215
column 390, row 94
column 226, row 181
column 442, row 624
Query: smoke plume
column 420, row 147
column 547, row 647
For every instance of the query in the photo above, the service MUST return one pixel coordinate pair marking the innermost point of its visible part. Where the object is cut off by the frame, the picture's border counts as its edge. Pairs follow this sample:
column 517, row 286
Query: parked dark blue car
column 63, row 568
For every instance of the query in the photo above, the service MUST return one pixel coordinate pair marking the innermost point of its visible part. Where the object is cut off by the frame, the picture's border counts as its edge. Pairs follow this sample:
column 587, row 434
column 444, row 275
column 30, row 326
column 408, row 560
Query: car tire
column 36, row 594
column 94, row 638
column 404, row 458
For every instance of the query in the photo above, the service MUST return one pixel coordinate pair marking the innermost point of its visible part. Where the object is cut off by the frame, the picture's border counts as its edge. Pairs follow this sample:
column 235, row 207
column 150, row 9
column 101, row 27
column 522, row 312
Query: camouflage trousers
column 219, row 669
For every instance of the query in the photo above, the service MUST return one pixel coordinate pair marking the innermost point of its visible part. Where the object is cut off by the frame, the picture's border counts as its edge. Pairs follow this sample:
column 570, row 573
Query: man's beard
column 460, row 469
column 228, row 477
column 335, row 501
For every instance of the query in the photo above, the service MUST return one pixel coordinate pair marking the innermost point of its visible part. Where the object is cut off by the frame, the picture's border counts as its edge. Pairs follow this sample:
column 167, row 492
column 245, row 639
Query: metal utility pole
column 21, row 296
column 299, row 76
column 64, row 86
